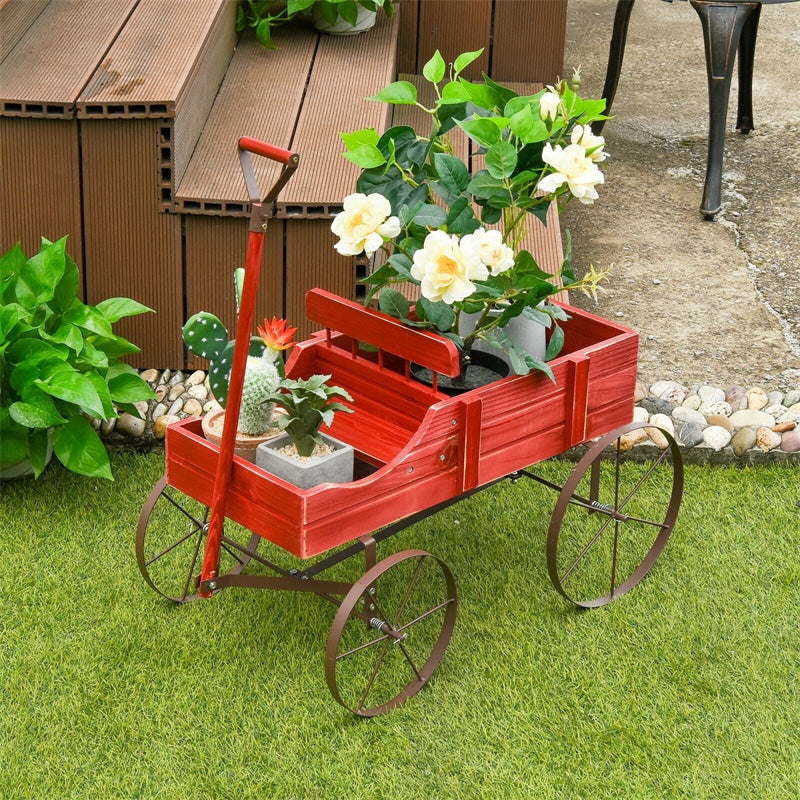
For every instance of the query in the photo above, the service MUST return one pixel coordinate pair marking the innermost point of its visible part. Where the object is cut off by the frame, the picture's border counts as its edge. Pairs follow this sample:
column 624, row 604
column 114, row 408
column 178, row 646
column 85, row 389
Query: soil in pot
column 484, row 368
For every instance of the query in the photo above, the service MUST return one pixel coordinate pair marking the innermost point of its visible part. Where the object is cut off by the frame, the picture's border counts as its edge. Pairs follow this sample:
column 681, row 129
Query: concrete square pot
column 335, row 467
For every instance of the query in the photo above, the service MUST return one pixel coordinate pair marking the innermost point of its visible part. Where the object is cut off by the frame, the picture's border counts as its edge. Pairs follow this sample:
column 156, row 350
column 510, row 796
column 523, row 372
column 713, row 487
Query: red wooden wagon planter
column 418, row 450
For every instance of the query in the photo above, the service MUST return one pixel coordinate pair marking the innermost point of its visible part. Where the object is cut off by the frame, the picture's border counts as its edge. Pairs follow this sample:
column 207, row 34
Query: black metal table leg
column 723, row 24
column 615, row 55
column 747, row 47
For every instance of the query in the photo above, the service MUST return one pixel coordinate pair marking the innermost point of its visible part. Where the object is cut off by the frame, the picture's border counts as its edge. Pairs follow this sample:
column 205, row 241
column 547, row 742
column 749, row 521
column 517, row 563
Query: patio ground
column 715, row 302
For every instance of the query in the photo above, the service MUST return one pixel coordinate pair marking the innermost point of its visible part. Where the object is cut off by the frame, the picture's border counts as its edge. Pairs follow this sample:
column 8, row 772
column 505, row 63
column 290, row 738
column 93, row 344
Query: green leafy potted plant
column 331, row 16
column 457, row 234
column 60, row 365
column 205, row 335
column 304, row 455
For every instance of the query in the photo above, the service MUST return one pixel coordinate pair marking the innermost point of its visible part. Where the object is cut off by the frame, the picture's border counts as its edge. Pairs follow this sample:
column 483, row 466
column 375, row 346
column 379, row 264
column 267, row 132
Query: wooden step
column 299, row 96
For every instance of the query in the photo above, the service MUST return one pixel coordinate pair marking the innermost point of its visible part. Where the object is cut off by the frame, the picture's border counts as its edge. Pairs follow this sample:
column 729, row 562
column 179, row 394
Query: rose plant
column 432, row 218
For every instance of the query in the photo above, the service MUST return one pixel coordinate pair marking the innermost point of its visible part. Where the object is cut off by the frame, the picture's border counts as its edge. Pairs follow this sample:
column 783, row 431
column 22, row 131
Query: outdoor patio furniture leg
column 747, row 46
column 722, row 30
column 615, row 54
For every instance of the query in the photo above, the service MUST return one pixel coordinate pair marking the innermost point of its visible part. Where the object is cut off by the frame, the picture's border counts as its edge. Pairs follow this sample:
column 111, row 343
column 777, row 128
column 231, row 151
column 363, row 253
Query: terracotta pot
column 246, row 445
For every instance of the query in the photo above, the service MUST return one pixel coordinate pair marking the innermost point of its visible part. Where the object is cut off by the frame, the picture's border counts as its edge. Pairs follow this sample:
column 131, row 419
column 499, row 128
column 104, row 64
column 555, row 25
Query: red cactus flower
column 277, row 335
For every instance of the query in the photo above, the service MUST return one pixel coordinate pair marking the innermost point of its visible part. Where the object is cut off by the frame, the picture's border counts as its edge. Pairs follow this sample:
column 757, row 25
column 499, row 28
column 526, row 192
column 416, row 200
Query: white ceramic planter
column 23, row 469
column 525, row 333
column 335, row 467
column 364, row 22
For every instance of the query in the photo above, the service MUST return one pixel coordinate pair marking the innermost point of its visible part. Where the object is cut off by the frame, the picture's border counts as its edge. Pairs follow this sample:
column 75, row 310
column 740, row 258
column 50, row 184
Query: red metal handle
column 267, row 150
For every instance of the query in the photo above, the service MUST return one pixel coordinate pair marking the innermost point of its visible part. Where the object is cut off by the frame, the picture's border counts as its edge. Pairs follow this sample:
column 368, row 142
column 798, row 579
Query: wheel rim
column 611, row 524
column 170, row 541
column 390, row 632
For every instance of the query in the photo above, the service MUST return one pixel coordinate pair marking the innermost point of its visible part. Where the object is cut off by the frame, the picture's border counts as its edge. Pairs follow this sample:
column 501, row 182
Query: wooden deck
column 122, row 133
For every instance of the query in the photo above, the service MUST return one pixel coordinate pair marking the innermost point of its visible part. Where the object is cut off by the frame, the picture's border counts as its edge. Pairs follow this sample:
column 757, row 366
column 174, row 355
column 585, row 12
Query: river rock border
column 738, row 425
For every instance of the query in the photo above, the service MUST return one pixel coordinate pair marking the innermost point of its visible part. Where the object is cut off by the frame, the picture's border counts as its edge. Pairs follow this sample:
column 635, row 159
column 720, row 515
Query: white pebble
column 716, row 437
column 663, row 421
column 748, row 418
column 711, row 394
column 684, row 414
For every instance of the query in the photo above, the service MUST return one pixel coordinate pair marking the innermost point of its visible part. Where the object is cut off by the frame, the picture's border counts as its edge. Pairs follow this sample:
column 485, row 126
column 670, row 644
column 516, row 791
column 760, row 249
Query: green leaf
column 440, row 314
column 501, row 160
column 430, row 216
column 435, row 68
column 129, row 388
column 67, row 334
column 483, row 186
column 115, row 308
column 555, row 344
column 79, row 449
column 394, row 303
column 38, row 412
column 264, row 33
column 38, row 447
column 11, row 264
column 38, row 278
column 13, row 442
column 484, row 131
column 481, row 95
column 366, row 156
column 452, row 171
column 89, row 319
column 73, row 387
column 361, row 137
column 66, row 291
column 453, row 92
column 461, row 217
column 465, row 59
column 398, row 93
column 34, row 351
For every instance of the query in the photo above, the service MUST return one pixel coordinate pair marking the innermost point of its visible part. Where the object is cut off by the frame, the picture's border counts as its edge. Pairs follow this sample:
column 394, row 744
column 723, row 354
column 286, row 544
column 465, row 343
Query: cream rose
column 582, row 135
column 364, row 225
column 445, row 269
column 573, row 167
column 490, row 249
column 549, row 103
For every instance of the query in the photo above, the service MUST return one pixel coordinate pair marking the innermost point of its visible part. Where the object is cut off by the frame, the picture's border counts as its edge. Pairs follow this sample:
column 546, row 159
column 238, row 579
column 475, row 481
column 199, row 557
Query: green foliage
column 430, row 188
column 59, row 363
column 308, row 404
column 265, row 15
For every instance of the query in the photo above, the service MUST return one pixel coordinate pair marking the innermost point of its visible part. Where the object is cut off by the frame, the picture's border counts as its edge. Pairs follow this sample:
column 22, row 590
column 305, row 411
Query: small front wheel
column 390, row 632
column 170, row 543
column 612, row 520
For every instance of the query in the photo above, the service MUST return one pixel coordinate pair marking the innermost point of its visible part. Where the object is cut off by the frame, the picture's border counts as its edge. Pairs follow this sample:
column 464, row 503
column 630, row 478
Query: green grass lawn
column 688, row 687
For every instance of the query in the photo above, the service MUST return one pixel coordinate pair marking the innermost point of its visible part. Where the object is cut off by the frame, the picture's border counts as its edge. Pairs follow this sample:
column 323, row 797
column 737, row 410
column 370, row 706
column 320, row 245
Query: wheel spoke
column 411, row 603
column 642, row 502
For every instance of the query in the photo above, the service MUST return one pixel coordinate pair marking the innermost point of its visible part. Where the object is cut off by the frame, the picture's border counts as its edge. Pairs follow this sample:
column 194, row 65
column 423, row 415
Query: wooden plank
column 382, row 331
column 259, row 97
column 69, row 40
column 528, row 40
column 153, row 62
column 346, row 70
column 129, row 242
column 15, row 18
column 448, row 26
column 213, row 248
column 39, row 192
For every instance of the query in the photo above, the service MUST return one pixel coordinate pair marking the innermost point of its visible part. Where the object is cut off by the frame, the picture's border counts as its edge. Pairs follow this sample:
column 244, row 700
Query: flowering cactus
column 205, row 335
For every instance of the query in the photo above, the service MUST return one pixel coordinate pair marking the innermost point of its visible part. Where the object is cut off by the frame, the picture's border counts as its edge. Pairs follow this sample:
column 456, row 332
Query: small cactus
column 206, row 336
column 261, row 378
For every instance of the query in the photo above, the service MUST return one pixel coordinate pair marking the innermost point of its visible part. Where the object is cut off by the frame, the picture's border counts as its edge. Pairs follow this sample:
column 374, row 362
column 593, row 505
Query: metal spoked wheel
column 170, row 542
column 390, row 632
column 612, row 520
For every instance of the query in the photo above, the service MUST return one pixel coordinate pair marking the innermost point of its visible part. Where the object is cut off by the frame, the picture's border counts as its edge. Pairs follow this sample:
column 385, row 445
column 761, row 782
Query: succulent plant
column 308, row 404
